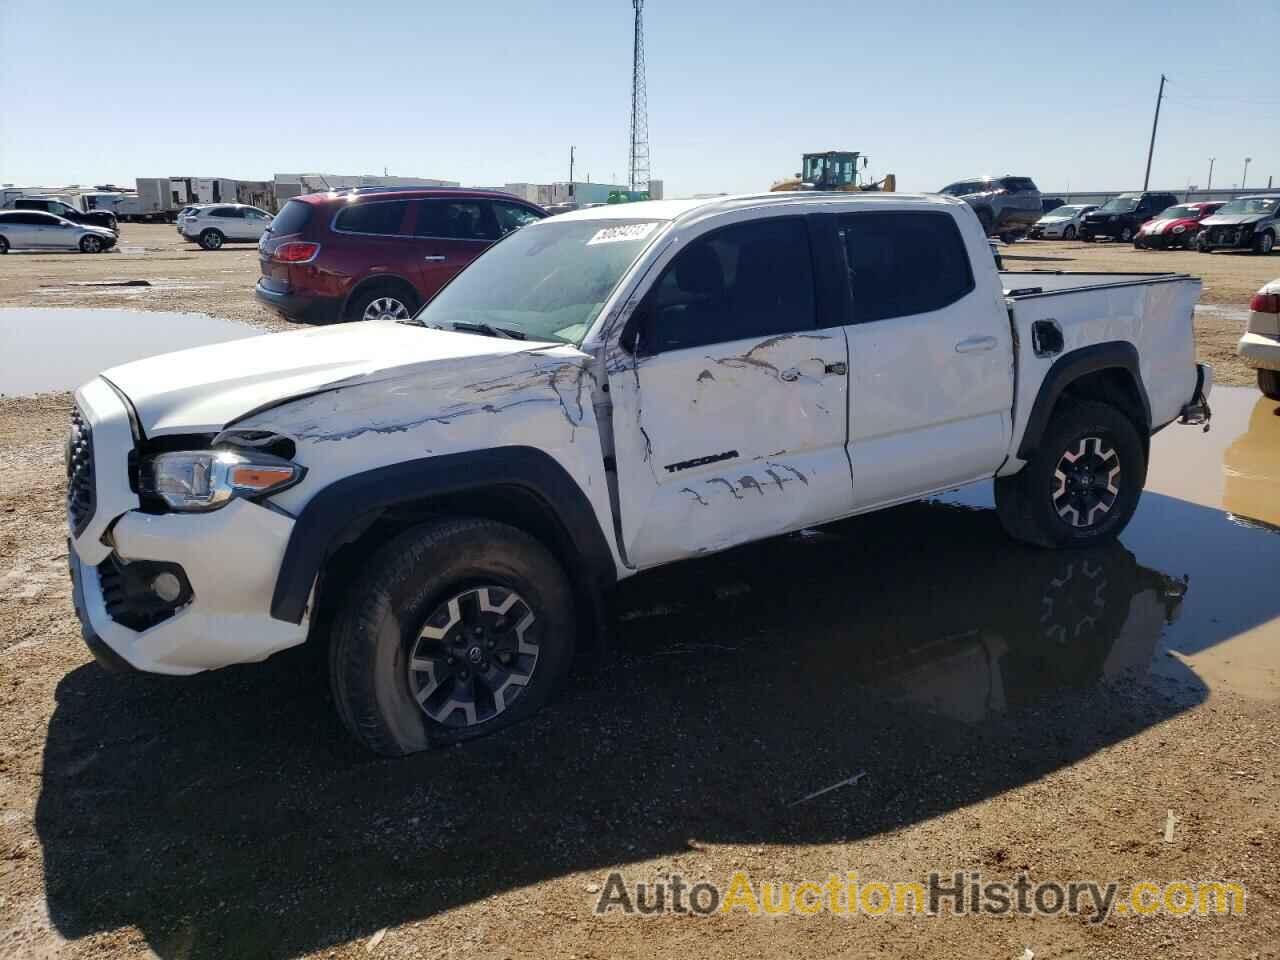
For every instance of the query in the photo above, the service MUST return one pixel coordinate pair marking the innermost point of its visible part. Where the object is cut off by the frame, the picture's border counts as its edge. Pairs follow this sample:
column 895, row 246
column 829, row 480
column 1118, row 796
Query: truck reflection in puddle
column 929, row 603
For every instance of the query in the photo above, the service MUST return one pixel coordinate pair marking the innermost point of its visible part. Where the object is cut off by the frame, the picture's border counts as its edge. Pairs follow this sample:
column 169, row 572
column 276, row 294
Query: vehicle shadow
column 229, row 815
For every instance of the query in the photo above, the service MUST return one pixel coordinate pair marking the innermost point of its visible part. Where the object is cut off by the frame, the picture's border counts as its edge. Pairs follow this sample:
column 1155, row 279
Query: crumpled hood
column 1234, row 220
column 203, row 389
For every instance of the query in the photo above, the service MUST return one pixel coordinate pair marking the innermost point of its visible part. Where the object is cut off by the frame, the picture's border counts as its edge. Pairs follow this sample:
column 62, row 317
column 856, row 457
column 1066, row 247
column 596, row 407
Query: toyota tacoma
column 445, row 502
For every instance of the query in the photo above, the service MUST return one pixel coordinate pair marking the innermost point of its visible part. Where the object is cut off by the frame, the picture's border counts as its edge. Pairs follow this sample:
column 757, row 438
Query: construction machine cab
column 833, row 170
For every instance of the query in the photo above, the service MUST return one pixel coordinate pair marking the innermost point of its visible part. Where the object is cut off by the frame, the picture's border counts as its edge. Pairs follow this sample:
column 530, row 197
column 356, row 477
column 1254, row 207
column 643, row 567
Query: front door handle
column 975, row 344
column 435, row 259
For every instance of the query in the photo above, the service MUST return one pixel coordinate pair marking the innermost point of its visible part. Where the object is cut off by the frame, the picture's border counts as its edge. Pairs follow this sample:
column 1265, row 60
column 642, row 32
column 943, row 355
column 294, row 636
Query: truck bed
column 1150, row 311
column 1019, row 284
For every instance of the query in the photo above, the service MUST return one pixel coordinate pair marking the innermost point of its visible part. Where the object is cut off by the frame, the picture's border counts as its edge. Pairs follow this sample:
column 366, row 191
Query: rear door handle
column 975, row 344
column 435, row 259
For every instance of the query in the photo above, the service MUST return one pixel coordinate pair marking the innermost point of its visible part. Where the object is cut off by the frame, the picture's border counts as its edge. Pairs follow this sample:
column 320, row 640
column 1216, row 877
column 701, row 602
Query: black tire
column 1269, row 383
column 1069, row 233
column 437, row 572
column 394, row 302
column 1126, row 234
column 1037, row 507
column 1087, row 237
column 4, row 246
column 212, row 239
column 1200, row 247
column 1264, row 242
column 1139, row 243
column 985, row 218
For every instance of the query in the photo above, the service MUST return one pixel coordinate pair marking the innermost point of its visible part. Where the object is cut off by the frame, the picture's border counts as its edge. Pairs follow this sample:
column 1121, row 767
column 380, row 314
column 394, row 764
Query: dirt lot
column 1011, row 711
column 220, row 283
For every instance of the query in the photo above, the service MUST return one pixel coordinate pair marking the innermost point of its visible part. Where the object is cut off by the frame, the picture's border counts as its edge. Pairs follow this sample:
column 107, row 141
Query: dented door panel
column 726, row 443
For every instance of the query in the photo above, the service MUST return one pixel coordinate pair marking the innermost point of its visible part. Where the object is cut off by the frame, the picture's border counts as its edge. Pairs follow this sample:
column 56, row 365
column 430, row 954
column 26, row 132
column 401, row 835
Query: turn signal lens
column 259, row 477
column 296, row 251
column 1265, row 303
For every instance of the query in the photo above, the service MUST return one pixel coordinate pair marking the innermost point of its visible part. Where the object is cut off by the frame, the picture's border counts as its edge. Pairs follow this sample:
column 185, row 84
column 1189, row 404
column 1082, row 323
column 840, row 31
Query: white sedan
column 218, row 223
column 1061, row 223
column 33, row 230
column 1260, row 345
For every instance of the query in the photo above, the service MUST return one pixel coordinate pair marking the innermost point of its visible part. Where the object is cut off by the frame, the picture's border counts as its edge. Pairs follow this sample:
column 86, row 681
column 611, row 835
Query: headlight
column 199, row 480
column 1180, row 228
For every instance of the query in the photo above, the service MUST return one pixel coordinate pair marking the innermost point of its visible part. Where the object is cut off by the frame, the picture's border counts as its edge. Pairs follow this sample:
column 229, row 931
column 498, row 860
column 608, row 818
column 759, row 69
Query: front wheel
column 1269, row 383
column 1139, row 243
column 212, row 239
column 1069, row 233
column 4, row 246
column 457, row 628
column 1081, row 485
column 1264, row 243
column 91, row 244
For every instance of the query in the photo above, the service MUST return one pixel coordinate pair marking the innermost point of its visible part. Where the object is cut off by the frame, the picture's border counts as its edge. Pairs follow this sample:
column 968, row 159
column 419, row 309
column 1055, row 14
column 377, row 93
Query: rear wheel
column 1126, row 234
column 457, row 629
column 91, row 244
column 4, row 245
column 383, row 303
column 1081, row 485
column 1269, row 383
column 212, row 239
column 1264, row 243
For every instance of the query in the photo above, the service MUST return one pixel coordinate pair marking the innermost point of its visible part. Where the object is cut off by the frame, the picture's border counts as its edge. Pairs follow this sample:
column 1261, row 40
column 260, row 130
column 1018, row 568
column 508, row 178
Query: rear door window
column 746, row 281
column 456, row 220
column 903, row 263
column 383, row 218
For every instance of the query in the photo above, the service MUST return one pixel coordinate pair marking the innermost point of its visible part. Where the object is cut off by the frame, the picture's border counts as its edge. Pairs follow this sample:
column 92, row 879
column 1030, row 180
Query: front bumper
column 1225, row 238
column 1259, row 351
column 230, row 558
column 309, row 309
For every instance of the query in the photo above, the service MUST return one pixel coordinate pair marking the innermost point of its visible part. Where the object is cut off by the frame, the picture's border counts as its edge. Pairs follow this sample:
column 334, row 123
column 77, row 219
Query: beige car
column 1260, row 345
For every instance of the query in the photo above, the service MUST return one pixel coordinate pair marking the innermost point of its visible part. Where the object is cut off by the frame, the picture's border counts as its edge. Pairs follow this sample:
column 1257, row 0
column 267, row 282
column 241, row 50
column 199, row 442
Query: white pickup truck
column 447, row 502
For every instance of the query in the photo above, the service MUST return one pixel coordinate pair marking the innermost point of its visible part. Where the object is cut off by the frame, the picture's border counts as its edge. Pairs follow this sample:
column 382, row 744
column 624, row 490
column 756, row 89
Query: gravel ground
column 1012, row 711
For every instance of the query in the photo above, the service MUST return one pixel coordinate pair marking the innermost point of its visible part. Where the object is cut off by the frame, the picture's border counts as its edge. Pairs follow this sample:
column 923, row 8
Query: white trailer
column 154, row 202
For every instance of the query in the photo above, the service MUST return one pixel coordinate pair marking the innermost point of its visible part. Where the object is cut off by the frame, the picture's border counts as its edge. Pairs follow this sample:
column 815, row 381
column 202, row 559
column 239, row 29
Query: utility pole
column 1146, row 180
column 1210, row 186
column 1244, row 176
column 571, row 172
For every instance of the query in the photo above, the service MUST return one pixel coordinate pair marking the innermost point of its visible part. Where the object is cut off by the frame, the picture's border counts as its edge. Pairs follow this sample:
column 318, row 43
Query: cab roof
column 699, row 207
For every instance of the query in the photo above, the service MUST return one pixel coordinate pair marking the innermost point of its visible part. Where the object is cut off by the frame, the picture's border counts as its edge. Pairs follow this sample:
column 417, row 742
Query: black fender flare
column 1070, row 367
column 344, row 504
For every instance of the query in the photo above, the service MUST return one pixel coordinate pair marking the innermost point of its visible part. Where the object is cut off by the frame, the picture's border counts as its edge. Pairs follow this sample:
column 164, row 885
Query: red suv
column 378, row 253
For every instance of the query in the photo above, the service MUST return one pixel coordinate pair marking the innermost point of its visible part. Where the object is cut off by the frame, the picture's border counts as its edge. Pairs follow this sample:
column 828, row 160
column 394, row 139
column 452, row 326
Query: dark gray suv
column 1006, row 206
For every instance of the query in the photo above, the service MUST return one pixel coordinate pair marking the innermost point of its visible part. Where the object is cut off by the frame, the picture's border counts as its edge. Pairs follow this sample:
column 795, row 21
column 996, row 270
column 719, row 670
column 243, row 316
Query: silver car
column 33, row 230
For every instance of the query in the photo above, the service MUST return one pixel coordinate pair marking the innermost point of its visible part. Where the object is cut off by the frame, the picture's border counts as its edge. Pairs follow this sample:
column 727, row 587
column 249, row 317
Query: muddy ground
column 1011, row 710
column 220, row 283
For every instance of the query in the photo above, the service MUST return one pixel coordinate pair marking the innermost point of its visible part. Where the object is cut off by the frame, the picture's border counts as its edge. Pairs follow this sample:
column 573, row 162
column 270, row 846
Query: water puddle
column 46, row 349
column 931, row 605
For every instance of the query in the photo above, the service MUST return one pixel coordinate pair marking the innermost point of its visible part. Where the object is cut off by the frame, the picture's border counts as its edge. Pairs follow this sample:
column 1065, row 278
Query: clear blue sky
column 496, row 91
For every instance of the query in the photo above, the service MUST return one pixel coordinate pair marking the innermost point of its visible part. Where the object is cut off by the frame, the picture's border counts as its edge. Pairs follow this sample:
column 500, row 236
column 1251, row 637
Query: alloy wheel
column 385, row 308
column 1087, row 482
column 473, row 656
column 92, row 244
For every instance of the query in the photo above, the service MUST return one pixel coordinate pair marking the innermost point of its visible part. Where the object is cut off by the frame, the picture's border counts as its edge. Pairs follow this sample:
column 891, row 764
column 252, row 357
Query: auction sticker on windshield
column 625, row 231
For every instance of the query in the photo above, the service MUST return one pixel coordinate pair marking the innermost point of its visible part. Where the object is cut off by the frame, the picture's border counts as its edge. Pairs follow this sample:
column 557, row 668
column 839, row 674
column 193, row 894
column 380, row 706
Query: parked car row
column 1157, row 221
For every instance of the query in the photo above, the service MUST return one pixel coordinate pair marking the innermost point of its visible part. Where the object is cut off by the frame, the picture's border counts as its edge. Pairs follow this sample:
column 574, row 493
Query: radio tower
column 639, row 160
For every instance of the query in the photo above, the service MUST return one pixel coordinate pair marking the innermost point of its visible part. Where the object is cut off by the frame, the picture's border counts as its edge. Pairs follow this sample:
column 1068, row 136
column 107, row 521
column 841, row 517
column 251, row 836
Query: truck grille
column 81, row 500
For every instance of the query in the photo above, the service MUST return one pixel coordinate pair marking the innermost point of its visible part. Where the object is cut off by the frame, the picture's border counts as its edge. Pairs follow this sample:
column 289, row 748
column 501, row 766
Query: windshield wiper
column 488, row 330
